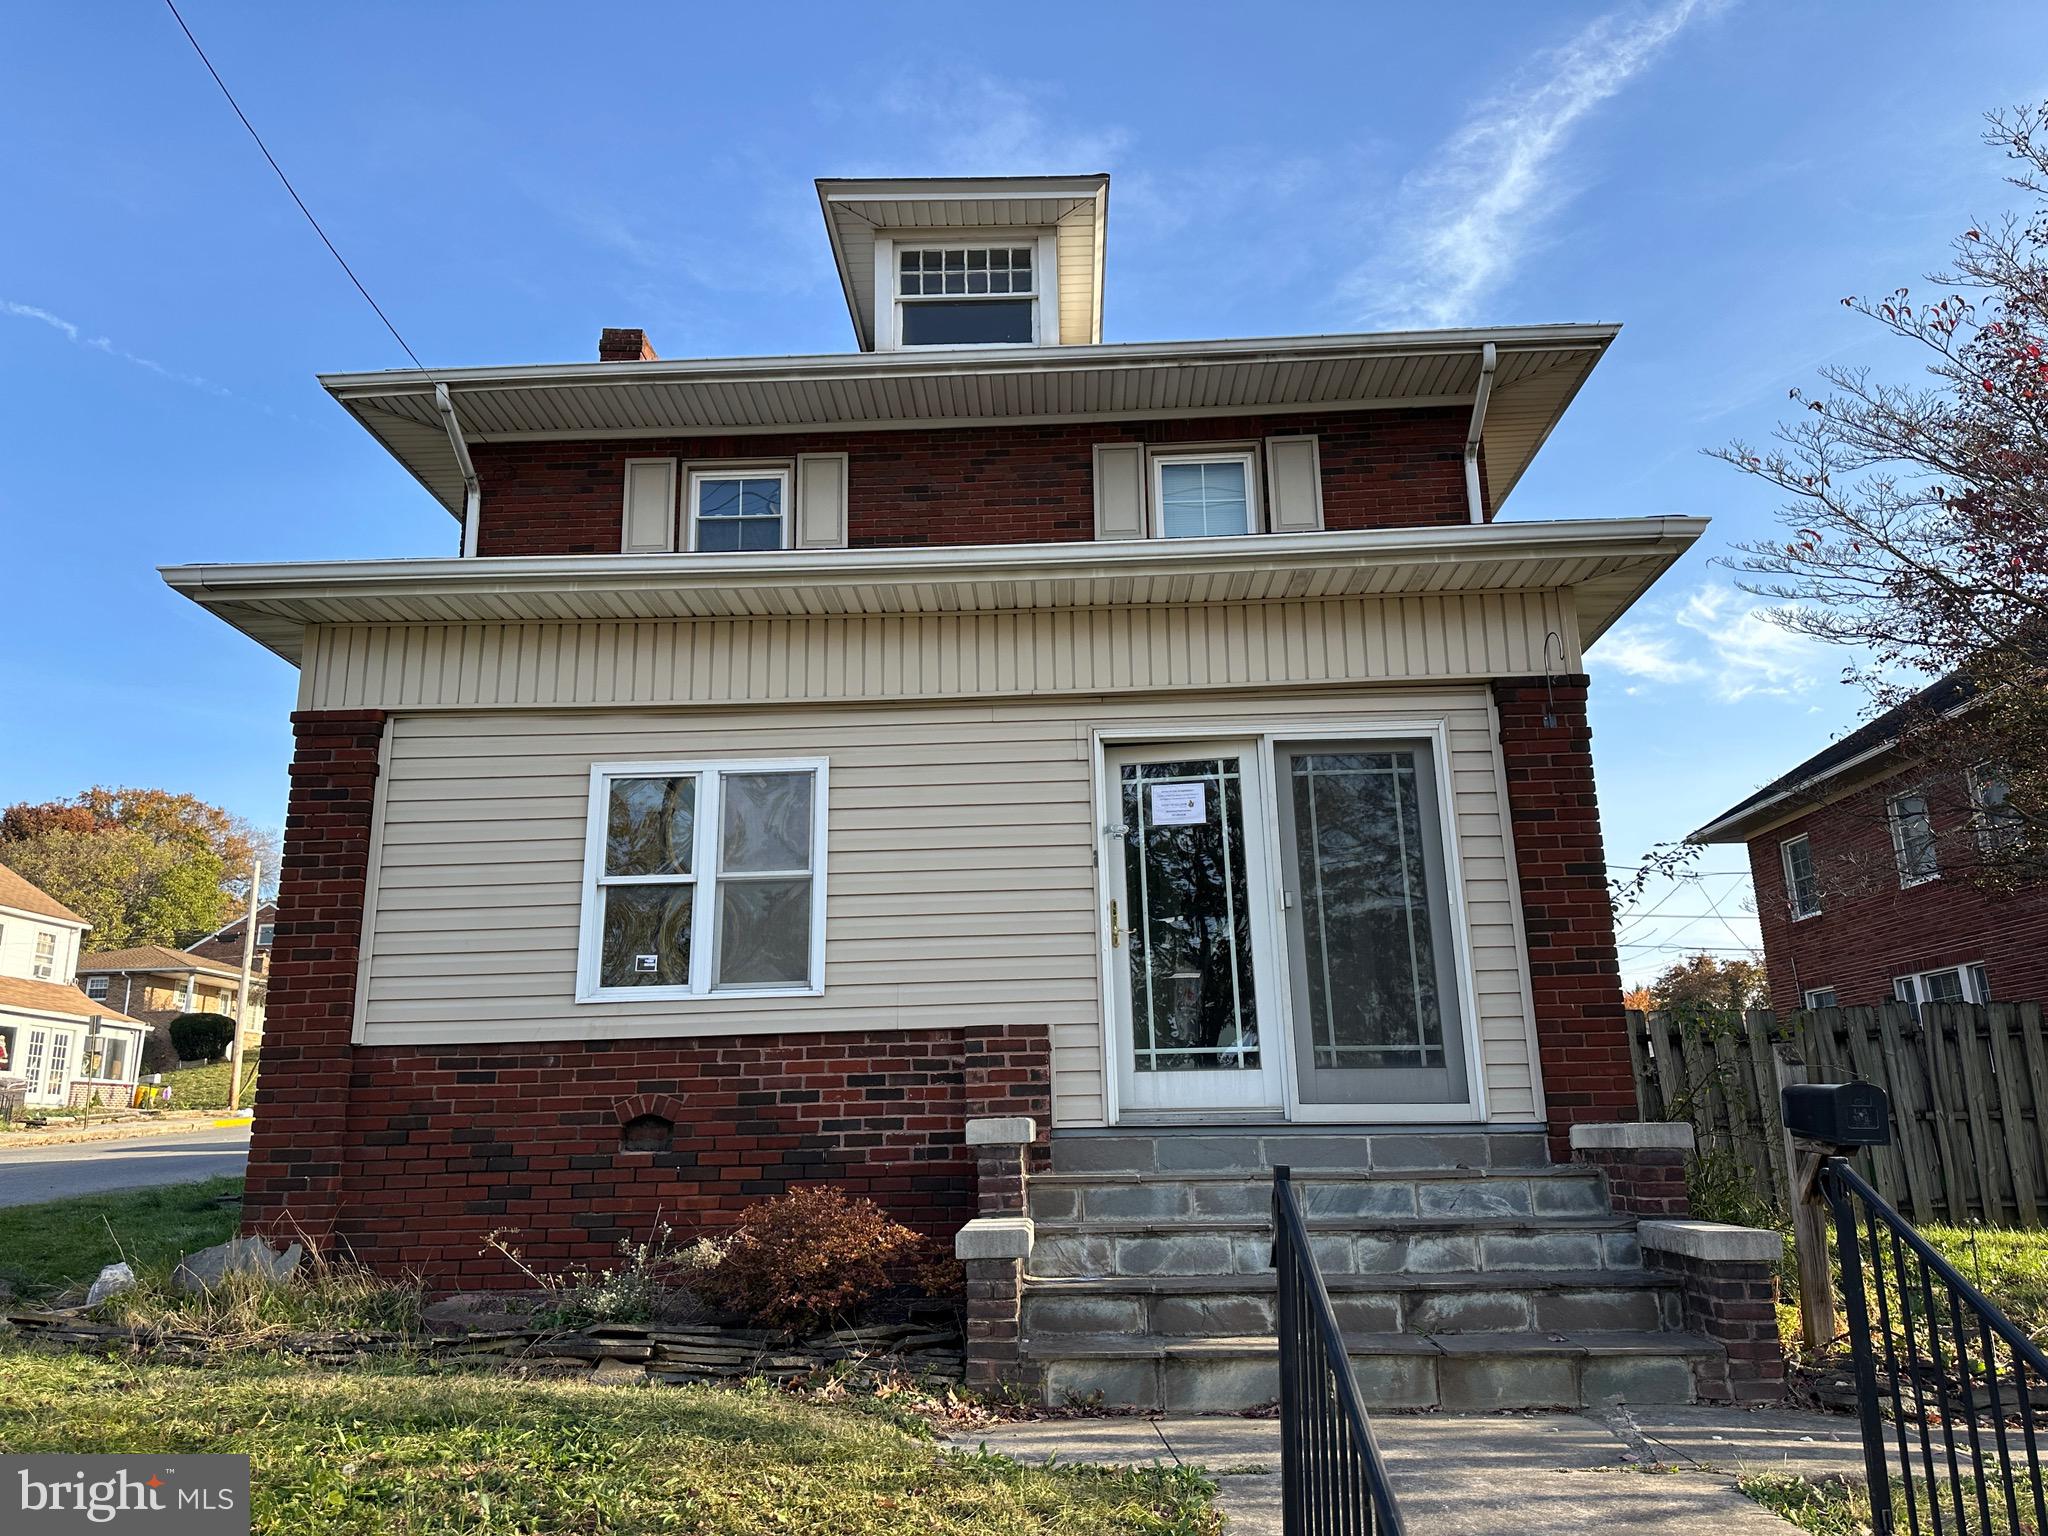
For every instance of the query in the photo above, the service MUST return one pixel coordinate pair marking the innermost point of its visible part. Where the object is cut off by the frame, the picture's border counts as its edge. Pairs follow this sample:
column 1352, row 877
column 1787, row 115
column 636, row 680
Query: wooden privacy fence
column 1968, row 1086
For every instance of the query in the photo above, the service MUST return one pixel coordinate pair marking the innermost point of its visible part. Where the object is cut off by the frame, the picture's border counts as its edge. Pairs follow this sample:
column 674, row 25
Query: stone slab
column 994, row 1237
column 1711, row 1241
column 1634, row 1135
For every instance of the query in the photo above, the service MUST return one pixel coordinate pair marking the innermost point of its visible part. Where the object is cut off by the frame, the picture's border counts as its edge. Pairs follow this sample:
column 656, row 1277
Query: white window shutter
column 1120, row 491
column 650, row 516
column 1294, row 485
column 820, row 501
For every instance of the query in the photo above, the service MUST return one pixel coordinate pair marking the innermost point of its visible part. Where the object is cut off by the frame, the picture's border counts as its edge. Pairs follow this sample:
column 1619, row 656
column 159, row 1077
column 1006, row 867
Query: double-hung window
column 1820, row 997
column 1953, row 984
column 1913, row 839
column 1999, row 827
column 1205, row 495
column 96, row 988
column 739, row 509
column 704, row 878
column 1802, row 886
column 45, row 966
column 967, row 295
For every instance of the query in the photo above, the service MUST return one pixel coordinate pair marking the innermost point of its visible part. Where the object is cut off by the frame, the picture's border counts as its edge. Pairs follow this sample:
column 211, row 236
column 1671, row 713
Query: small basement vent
column 647, row 1133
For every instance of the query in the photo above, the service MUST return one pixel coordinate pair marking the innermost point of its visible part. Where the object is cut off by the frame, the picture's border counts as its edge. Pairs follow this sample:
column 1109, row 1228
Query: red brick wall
column 411, row 1155
column 1581, row 1030
column 975, row 485
column 1869, row 931
column 300, row 1140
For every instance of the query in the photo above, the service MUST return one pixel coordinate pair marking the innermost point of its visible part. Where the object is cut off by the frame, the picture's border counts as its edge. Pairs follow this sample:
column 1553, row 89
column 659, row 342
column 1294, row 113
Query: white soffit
column 1540, row 369
column 1605, row 563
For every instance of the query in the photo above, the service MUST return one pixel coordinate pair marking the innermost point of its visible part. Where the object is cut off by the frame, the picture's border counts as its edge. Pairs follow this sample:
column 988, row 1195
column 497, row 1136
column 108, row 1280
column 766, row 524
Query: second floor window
column 738, row 510
column 1802, row 887
column 46, row 955
column 1913, row 839
column 265, row 932
column 1999, row 828
column 967, row 296
column 1209, row 495
column 96, row 987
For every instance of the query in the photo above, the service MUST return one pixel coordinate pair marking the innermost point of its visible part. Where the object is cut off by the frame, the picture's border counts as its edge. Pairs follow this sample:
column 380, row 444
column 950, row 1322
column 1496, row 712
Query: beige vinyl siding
column 1074, row 240
column 889, row 657
column 960, row 848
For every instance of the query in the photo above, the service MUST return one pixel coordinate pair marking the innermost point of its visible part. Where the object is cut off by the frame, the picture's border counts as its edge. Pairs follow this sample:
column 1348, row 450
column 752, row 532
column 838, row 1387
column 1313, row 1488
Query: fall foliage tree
column 1917, row 515
column 143, row 866
column 1707, row 984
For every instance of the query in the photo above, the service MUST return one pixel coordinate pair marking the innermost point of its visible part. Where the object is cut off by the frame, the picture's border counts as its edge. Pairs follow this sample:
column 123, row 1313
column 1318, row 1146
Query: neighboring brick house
column 224, row 947
column 1867, row 858
column 156, row 983
column 57, row 1045
column 1197, row 768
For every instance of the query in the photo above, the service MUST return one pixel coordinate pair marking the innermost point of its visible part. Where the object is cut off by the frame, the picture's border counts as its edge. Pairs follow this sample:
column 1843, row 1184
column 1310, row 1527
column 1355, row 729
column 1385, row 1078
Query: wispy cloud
column 77, row 337
column 972, row 123
column 1717, row 641
column 1460, row 224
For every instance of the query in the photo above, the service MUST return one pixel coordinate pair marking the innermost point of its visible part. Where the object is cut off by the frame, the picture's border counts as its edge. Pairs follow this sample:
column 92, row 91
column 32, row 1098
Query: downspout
column 472, row 492
column 1488, row 356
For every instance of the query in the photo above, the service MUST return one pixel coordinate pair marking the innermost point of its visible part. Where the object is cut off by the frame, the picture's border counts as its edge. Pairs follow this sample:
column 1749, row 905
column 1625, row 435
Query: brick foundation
column 1726, row 1275
column 1581, row 1027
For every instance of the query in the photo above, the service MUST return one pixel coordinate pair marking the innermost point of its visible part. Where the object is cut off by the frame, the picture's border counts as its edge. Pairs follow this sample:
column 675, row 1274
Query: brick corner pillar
column 1581, row 1025
column 1726, row 1278
column 994, row 1249
column 1643, row 1162
column 1002, row 1151
column 298, row 1145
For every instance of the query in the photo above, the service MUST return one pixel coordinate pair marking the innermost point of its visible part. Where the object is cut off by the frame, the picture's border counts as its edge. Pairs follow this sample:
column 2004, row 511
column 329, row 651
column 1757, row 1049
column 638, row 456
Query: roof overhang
column 1540, row 369
column 858, row 209
column 1606, row 564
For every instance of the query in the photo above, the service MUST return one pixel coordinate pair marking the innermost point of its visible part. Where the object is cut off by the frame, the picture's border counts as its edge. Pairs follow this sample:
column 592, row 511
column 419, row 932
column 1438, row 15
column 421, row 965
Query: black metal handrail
column 1332, row 1479
column 1940, row 1379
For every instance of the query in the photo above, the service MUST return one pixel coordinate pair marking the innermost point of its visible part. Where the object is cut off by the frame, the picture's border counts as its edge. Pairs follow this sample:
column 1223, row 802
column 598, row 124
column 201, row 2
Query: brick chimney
column 624, row 344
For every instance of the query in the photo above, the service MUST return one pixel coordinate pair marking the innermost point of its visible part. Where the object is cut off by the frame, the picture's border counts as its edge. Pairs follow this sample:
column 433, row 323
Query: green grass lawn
column 403, row 1450
column 46, row 1248
column 207, row 1087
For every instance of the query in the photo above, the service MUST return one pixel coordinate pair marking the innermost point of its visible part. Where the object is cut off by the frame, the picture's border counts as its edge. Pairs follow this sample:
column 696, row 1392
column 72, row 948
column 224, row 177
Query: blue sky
column 509, row 178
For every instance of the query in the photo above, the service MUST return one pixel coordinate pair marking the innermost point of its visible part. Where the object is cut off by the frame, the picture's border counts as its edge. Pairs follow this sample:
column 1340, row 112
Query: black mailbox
column 1839, row 1114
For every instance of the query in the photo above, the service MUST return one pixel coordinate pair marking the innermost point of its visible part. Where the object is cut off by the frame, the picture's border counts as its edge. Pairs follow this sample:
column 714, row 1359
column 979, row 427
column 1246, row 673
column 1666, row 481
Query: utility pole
column 242, row 997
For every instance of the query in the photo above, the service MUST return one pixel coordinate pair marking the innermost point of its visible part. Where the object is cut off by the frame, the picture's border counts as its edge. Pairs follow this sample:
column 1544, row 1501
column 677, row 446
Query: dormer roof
column 1074, row 209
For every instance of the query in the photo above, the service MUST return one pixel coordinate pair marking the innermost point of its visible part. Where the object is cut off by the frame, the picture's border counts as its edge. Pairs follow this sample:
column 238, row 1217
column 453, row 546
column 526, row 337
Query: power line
column 267, row 155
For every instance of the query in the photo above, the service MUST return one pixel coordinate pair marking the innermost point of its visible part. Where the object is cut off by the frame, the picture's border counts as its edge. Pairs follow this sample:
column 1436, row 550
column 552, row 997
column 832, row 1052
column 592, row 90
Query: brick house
column 58, row 1046
column 156, row 983
column 821, row 768
column 1867, row 861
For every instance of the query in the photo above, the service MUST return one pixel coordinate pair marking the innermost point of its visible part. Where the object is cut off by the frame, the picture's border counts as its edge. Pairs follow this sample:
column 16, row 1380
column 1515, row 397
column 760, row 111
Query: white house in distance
column 61, row 1045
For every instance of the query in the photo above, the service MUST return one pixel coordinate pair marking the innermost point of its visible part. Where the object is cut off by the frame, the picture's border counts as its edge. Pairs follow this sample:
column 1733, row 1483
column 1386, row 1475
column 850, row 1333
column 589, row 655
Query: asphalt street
column 30, row 1175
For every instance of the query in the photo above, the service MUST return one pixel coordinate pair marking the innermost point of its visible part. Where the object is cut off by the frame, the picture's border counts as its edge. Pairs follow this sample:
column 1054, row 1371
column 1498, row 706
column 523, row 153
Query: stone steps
column 1470, row 1372
column 1342, row 1246
column 1255, row 1152
column 1463, row 1194
column 1221, row 1306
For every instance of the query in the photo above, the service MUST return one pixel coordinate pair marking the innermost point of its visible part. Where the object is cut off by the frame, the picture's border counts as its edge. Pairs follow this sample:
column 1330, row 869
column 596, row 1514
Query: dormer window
column 967, row 296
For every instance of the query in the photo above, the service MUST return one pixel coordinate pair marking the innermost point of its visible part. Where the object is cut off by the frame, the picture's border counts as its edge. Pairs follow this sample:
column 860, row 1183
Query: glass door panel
column 1189, row 928
column 1369, row 937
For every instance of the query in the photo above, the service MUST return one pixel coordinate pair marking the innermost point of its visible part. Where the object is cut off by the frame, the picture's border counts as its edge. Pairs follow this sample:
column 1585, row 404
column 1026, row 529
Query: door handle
column 1116, row 934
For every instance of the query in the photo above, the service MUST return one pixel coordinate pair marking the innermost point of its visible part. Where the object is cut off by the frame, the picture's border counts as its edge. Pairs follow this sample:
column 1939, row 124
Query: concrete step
column 1222, row 1306
column 1254, row 1149
column 1438, row 1193
column 1342, row 1246
column 1470, row 1372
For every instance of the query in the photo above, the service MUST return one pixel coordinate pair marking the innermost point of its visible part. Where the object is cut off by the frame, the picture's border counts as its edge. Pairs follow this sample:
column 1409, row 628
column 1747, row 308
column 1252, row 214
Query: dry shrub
column 808, row 1259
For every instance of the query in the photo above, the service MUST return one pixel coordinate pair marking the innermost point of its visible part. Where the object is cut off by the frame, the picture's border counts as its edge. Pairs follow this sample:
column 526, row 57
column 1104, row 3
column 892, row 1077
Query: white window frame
column 1908, row 880
column 1912, row 989
column 101, row 983
column 1996, row 833
column 1808, row 997
column 265, row 933
column 772, row 469
column 995, row 240
column 704, row 936
column 1232, row 453
column 44, row 966
column 1792, row 880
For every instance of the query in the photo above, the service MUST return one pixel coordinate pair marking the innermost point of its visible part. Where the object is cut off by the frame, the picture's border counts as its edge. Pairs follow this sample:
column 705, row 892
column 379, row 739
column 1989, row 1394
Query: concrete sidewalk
column 1661, row 1470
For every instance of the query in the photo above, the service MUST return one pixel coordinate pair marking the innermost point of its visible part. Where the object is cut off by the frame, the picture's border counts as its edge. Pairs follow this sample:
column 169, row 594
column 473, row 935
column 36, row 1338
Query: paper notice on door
column 1180, row 805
